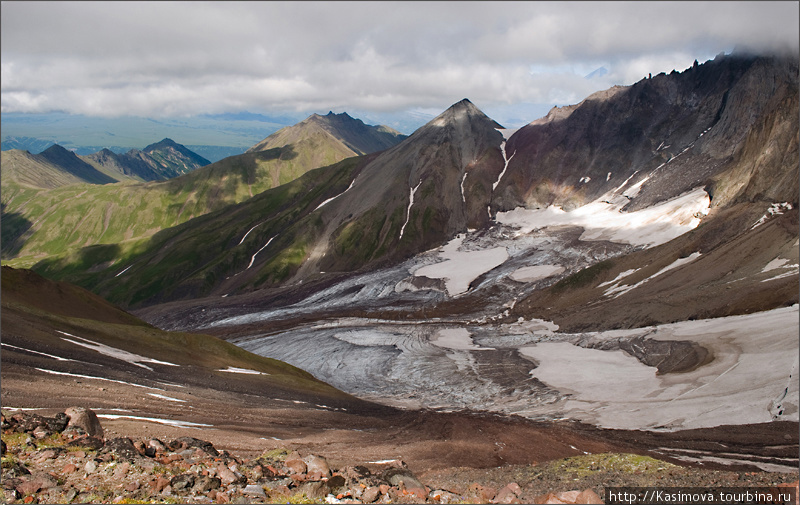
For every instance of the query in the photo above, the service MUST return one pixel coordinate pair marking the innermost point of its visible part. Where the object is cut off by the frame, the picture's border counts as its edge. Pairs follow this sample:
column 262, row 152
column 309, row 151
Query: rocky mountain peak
column 460, row 113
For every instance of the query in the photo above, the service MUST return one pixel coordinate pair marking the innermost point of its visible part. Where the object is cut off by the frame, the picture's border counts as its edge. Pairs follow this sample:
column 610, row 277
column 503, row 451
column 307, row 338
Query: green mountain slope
column 69, row 218
column 51, row 168
column 340, row 218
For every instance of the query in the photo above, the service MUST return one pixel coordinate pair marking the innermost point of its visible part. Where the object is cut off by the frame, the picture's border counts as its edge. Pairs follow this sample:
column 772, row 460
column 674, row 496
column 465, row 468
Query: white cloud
column 178, row 58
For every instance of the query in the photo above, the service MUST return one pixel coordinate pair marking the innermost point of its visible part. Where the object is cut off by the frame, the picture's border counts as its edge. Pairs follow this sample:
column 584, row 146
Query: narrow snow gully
column 408, row 212
column 253, row 259
column 506, row 135
column 335, row 197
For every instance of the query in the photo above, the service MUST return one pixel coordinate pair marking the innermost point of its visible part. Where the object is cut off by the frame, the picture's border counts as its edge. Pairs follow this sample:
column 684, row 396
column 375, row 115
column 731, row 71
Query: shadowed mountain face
column 726, row 124
column 70, row 163
column 159, row 161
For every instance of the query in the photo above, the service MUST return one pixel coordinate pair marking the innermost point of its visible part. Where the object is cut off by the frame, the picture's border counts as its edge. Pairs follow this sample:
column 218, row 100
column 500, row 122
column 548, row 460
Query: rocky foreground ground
column 67, row 459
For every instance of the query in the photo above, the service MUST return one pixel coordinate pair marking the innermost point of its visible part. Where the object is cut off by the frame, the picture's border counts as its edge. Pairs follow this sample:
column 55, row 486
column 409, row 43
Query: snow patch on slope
column 618, row 290
column 335, row 197
column 253, row 258
column 776, row 209
column 134, row 359
column 460, row 268
column 605, row 221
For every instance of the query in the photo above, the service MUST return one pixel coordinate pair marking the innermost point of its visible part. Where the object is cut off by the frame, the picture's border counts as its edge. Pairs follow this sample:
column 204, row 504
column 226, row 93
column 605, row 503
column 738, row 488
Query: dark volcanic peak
column 70, row 162
column 167, row 142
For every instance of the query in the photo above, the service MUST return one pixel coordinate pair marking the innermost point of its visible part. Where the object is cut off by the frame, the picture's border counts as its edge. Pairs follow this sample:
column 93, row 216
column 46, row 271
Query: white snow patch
column 776, row 263
column 123, row 271
column 59, row 358
column 463, row 197
column 608, row 177
column 168, row 398
column 795, row 270
column 535, row 273
column 775, row 209
column 755, row 363
column 248, row 233
column 233, row 369
column 462, row 267
column 619, row 277
column 133, row 359
column 410, row 203
column 335, row 197
column 68, row 374
column 253, row 259
column 585, row 179
column 617, row 290
column 634, row 190
column 457, row 339
column 604, row 221
column 169, row 422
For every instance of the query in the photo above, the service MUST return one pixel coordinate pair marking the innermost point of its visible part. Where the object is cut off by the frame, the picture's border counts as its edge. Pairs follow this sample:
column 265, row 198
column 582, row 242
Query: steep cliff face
column 659, row 137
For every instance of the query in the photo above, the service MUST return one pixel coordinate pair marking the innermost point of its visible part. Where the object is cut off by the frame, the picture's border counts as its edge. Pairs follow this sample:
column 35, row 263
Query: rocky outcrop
column 720, row 124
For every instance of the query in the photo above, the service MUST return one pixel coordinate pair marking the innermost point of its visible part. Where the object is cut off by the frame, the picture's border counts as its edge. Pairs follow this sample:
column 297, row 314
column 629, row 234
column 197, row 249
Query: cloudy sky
column 165, row 59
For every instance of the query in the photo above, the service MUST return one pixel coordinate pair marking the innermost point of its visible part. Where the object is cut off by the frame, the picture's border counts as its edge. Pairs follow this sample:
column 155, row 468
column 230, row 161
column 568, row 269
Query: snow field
column 603, row 221
column 754, row 369
column 460, row 268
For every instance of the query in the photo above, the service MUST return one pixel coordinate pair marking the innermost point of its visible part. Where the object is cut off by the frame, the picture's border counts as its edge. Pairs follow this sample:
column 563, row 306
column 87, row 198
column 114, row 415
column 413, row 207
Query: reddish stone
column 28, row 487
column 588, row 496
column 370, row 494
column 549, row 498
column 222, row 498
column 131, row 486
column 69, row 468
column 384, row 488
column 296, row 465
column 568, row 496
column 160, row 483
column 79, row 454
column 482, row 493
column 28, row 499
column 418, row 492
column 508, row 494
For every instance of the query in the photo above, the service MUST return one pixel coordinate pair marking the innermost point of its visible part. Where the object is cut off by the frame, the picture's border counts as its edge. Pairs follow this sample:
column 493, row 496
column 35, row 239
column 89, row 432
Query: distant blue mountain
column 600, row 72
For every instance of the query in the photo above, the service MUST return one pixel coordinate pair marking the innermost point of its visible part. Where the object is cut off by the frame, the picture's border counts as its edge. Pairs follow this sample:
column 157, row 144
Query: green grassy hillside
column 55, row 222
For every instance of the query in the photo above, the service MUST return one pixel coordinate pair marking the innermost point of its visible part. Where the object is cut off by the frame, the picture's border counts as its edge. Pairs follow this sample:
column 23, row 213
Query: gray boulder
column 85, row 420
